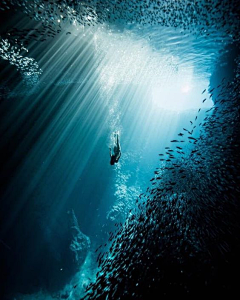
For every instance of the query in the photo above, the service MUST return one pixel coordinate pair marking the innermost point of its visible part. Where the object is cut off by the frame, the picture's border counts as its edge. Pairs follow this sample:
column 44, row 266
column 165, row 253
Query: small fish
column 192, row 138
column 193, row 151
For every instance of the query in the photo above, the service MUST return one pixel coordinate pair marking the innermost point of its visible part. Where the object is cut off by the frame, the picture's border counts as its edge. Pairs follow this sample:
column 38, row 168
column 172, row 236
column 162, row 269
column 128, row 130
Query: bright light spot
column 59, row 21
column 185, row 89
column 126, row 58
column 175, row 96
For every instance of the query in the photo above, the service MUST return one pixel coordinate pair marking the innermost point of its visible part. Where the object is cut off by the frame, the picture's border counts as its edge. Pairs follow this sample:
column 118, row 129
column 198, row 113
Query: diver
column 116, row 150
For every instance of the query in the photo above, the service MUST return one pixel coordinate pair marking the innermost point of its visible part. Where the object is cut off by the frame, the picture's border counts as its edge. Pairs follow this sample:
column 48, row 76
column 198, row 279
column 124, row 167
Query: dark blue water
column 165, row 218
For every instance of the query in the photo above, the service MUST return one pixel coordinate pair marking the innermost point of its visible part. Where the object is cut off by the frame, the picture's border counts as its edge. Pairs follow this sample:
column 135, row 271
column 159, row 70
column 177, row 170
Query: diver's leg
column 117, row 139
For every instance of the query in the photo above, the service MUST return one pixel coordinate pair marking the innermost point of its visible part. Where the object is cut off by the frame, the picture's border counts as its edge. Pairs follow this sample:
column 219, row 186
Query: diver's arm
column 119, row 155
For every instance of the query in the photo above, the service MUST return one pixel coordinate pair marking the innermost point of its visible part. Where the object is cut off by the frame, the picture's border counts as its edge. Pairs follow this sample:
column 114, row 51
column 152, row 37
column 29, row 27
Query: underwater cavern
column 120, row 161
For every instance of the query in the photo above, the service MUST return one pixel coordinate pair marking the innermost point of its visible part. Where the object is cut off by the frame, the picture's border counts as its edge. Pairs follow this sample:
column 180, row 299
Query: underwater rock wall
column 80, row 242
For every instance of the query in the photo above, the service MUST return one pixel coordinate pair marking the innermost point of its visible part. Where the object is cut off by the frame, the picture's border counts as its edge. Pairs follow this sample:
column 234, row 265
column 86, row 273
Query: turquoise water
column 72, row 74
